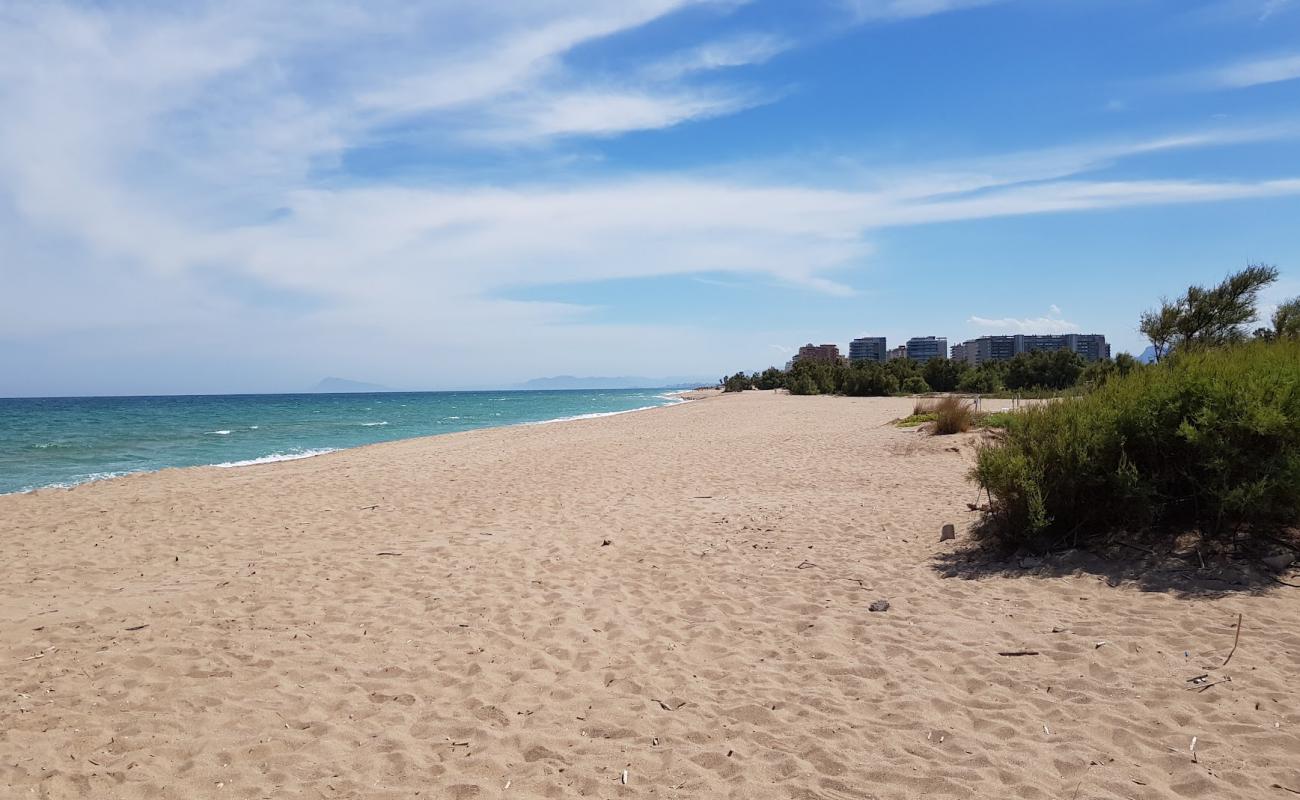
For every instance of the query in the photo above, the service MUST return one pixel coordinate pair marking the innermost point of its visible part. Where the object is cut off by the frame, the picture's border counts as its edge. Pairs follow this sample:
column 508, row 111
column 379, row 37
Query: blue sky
column 246, row 196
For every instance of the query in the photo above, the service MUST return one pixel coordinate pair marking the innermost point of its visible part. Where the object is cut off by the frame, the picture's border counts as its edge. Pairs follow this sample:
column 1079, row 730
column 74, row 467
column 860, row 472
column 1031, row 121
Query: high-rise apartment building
column 869, row 348
column 828, row 353
column 1091, row 346
column 924, row 348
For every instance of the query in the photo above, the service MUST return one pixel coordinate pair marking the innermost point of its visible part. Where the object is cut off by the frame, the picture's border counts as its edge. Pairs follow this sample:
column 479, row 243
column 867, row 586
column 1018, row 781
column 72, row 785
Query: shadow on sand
column 1149, row 565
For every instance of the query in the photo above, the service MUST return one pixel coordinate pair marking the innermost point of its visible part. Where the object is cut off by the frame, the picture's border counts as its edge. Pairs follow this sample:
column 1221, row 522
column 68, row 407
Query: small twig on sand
column 1212, row 685
column 1235, row 639
column 1284, row 583
column 1018, row 653
column 1286, row 788
column 41, row 654
column 387, row 553
column 368, row 508
column 805, row 565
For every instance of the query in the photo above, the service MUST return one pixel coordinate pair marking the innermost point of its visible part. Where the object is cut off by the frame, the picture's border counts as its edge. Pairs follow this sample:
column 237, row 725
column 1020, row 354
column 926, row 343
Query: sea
column 65, row 441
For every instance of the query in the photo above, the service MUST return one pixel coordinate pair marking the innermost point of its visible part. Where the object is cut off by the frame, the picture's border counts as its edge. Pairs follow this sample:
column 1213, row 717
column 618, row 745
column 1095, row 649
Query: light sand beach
column 670, row 603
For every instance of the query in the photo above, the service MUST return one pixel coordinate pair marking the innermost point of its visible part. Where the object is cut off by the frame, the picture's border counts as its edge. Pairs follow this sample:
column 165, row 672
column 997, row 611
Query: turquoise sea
column 63, row 441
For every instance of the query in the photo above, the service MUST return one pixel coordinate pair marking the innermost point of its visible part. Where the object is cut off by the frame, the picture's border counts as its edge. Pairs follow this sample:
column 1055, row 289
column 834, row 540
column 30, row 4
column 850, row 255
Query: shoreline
column 683, row 595
column 314, row 452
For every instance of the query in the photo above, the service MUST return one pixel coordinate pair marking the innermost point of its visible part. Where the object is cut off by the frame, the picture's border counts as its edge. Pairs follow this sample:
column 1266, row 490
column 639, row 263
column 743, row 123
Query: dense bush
column 1042, row 370
column 737, row 383
column 1209, row 438
column 984, row 379
column 770, row 378
column 943, row 374
column 915, row 384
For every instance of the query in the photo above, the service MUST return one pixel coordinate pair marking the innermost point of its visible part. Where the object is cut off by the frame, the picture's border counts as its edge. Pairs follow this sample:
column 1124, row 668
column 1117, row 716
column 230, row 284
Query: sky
column 243, row 196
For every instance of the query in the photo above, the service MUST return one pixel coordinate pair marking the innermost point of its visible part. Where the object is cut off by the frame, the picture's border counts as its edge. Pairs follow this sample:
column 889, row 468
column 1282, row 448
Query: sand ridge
column 442, row 618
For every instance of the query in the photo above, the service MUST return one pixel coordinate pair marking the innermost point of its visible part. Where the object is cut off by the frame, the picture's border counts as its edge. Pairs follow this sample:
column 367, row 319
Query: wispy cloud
column 1247, row 73
column 738, row 51
column 1053, row 322
column 869, row 10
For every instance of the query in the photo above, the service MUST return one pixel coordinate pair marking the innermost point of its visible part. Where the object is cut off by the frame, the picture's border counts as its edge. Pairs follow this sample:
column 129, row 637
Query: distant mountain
column 1148, row 355
column 343, row 385
column 620, row 382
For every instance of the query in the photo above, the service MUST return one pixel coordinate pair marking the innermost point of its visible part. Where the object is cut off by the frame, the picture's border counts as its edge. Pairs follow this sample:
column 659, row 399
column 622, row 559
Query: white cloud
column 1244, row 74
column 721, row 54
column 868, row 10
column 1039, row 325
column 595, row 112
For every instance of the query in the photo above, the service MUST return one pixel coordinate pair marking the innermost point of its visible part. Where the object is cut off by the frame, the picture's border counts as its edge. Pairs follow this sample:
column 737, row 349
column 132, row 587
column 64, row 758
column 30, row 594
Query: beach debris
column 1060, row 629
column 606, row 542
column 879, row 605
column 368, row 508
column 1199, row 679
column 1235, row 639
column 387, row 553
column 623, row 779
column 654, row 742
column 41, row 654
column 1212, row 685
column 1193, row 749
column 137, row 627
column 1286, row 788
column 671, row 704
column 949, row 532
column 1100, row 644
column 1279, row 562
column 507, row 784
column 1047, row 730
column 805, row 564
column 1019, row 653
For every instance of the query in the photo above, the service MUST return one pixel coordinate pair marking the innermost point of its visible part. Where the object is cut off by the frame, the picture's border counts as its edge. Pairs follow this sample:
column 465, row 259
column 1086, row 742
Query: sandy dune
column 441, row 618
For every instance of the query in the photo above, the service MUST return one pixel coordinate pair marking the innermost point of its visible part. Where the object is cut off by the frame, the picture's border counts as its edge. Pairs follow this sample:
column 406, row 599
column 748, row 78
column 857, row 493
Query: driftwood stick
column 1235, row 639
column 1212, row 685
column 1018, row 653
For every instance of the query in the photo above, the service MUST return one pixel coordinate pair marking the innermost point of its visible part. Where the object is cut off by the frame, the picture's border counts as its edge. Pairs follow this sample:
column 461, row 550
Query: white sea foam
column 254, row 427
column 218, row 433
column 589, row 416
column 77, row 481
column 274, row 457
column 372, row 424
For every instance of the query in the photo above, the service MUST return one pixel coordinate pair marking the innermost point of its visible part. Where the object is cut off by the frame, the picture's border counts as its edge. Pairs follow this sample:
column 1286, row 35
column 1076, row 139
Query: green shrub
column 981, row 380
column 944, row 374
column 739, row 382
column 1208, row 439
column 915, row 384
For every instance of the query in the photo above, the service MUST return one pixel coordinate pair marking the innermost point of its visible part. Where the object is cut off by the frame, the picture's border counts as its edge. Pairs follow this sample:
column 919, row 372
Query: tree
column 983, row 379
column 737, row 383
column 1042, row 370
column 943, row 374
column 1208, row 317
column 915, row 384
column 770, row 378
column 1286, row 320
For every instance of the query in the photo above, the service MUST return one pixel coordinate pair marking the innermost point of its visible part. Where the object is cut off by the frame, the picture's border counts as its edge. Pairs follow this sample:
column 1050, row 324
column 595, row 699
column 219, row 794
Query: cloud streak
column 1245, row 74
